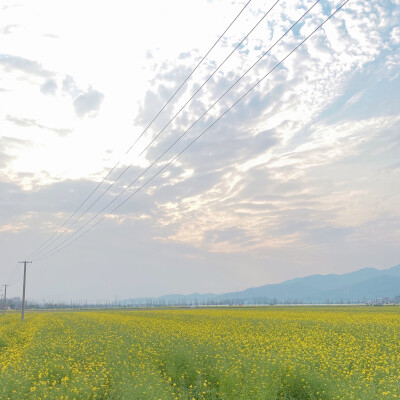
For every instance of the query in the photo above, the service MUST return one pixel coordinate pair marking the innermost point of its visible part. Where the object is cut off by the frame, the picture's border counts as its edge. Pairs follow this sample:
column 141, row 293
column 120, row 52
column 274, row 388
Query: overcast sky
column 301, row 177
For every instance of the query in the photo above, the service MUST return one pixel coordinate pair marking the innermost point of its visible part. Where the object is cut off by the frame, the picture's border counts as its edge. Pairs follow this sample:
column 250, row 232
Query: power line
column 13, row 273
column 54, row 251
column 143, row 132
column 187, row 130
column 17, row 278
column 161, row 131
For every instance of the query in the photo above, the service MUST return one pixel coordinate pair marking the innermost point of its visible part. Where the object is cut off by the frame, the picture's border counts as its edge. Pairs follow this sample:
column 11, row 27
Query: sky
column 301, row 177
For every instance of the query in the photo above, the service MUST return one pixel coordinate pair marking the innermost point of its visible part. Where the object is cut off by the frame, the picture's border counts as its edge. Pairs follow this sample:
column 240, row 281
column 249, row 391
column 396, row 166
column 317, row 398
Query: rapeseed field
column 211, row 353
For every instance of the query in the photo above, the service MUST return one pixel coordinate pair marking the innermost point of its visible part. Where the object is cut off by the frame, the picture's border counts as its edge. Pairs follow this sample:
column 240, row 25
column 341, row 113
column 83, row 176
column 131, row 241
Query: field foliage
column 245, row 353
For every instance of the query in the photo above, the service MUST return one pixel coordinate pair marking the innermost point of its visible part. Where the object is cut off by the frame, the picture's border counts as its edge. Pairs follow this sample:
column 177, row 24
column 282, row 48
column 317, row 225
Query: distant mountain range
column 368, row 284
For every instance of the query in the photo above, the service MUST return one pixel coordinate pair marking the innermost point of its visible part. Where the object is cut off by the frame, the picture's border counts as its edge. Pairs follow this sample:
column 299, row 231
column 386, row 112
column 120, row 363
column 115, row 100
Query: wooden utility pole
column 5, row 299
column 23, row 290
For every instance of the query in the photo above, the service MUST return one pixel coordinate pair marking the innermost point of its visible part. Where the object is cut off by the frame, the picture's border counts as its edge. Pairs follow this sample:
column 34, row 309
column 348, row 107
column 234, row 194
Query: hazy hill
column 367, row 284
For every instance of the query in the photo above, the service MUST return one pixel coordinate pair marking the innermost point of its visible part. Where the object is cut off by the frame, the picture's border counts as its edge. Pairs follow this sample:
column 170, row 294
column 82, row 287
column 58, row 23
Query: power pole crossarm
column 23, row 290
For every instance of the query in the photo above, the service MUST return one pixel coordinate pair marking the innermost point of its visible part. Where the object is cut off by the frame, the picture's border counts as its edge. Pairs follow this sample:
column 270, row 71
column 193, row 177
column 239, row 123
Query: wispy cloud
column 16, row 63
column 28, row 123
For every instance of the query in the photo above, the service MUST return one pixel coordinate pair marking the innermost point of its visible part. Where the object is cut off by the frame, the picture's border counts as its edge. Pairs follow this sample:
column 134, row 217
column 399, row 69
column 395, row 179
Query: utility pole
column 5, row 299
column 23, row 290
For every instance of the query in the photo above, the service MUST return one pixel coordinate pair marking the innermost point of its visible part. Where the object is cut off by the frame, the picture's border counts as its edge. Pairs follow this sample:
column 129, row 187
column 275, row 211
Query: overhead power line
column 158, row 134
column 44, row 245
column 185, row 132
column 13, row 274
column 60, row 247
column 16, row 279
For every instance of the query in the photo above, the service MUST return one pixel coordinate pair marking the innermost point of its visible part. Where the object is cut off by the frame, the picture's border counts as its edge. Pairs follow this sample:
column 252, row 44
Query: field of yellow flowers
column 210, row 353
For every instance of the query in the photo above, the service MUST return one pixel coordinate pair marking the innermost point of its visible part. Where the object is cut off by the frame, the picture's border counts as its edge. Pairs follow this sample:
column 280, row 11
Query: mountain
column 367, row 283
column 364, row 285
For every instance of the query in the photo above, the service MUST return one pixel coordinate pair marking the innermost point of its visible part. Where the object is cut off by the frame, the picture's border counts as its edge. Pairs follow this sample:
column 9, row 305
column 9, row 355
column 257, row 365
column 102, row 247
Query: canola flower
column 277, row 353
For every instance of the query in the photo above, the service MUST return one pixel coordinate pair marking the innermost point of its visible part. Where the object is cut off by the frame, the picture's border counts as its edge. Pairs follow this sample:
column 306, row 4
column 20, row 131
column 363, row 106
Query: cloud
column 50, row 35
column 236, row 171
column 85, row 102
column 70, row 87
column 306, row 164
column 269, row 145
column 5, row 158
column 226, row 235
column 48, row 206
column 9, row 147
column 395, row 35
column 58, row 198
column 7, row 30
column 163, row 85
column 88, row 103
column 184, row 55
column 282, row 203
column 49, row 87
column 27, row 123
column 15, row 63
